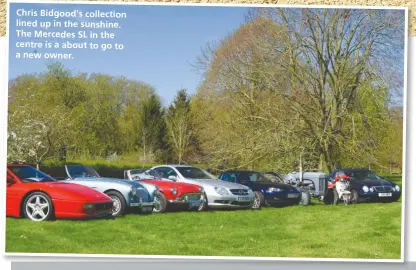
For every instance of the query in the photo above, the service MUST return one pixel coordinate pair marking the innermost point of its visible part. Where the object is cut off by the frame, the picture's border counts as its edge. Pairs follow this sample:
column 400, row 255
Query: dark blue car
column 368, row 186
column 268, row 191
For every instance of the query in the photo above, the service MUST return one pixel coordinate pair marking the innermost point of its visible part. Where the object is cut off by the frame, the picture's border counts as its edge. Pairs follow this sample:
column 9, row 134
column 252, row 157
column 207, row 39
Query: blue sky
column 160, row 43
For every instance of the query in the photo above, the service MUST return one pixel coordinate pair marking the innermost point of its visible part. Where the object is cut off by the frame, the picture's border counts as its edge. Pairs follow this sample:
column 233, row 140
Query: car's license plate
column 292, row 195
column 194, row 203
column 147, row 209
column 102, row 213
column 384, row 194
column 243, row 198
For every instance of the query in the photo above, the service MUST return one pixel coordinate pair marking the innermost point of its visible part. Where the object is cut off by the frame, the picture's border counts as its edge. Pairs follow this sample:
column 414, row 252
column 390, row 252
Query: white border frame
column 3, row 135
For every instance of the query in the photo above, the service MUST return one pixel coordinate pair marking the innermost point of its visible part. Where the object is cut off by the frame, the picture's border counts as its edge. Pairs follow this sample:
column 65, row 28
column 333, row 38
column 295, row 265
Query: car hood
column 71, row 191
column 218, row 183
column 167, row 185
column 268, row 185
column 372, row 182
column 106, row 180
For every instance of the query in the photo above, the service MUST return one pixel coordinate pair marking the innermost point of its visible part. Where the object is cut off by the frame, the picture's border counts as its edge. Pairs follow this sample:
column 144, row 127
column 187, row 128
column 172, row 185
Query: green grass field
column 367, row 231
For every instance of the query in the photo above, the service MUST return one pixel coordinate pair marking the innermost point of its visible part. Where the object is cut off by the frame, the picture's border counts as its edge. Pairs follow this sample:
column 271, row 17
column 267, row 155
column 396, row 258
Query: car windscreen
column 273, row 178
column 195, row 173
column 29, row 174
column 363, row 175
column 253, row 177
column 137, row 171
column 76, row 171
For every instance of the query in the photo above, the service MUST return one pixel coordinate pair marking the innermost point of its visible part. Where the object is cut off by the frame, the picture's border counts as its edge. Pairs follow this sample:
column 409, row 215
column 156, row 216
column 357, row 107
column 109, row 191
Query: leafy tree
column 152, row 126
column 308, row 80
column 179, row 125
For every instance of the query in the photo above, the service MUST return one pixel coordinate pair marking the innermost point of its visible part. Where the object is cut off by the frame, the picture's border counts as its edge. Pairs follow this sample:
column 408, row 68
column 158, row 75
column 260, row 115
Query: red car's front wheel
column 38, row 207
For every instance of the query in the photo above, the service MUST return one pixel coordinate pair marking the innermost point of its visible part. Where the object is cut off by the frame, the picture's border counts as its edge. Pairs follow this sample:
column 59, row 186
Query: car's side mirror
column 173, row 178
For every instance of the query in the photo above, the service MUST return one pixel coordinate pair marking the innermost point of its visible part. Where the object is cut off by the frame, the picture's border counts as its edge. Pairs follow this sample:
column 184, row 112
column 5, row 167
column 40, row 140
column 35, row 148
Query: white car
column 218, row 194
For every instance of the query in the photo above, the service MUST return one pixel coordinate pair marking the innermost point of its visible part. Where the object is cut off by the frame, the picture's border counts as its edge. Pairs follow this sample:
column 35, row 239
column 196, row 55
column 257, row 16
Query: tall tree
column 152, row 126
column 179, row 125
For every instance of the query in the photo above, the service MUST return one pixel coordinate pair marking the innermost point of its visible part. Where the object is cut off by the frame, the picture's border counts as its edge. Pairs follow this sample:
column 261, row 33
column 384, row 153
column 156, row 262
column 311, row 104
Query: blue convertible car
column 267, row 191
column 124, row 193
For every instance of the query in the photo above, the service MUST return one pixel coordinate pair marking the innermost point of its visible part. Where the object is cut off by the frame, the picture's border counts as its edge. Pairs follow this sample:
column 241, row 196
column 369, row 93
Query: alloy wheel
column 37, row 208
column 116, row 205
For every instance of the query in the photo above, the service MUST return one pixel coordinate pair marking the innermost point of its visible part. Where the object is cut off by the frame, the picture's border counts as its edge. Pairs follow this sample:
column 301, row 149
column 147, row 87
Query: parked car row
column 83, row 193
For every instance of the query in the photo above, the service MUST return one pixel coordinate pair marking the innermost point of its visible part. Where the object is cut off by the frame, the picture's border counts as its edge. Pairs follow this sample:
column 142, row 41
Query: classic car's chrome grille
column 192, row 196
column 239, row 191
column 142, row 194
column 103, row 206
column 383, row 188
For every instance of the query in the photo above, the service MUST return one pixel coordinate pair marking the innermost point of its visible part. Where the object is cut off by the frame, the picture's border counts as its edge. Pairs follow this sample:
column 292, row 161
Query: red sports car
column 37, row 196
column 188, row 195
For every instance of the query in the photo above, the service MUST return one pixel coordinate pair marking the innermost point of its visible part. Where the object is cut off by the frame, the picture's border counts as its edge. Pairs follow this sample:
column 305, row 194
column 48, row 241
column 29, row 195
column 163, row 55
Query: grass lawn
column 367, row 230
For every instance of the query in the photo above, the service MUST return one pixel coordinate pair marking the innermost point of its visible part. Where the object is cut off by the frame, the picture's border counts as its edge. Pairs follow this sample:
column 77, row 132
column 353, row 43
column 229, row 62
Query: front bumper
column 145, row 207
column 282, row 198
column 76, row 210
column 230, row 201
column 379, row 196
column 193, row 200
column 142, row 204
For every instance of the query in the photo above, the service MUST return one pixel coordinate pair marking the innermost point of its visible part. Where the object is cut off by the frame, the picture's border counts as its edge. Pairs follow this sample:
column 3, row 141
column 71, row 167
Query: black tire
column 354, row 197
column 204, row 204
column 336, row 196
column 258, row 200
column 120, row 208
column 163, row 203
column 37, row 200
column 329, row 197
column 305, row 198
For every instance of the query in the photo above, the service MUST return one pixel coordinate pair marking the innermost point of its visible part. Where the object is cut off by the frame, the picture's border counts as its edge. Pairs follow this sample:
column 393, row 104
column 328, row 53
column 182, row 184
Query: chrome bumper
column 142, row 204
column 185, row 200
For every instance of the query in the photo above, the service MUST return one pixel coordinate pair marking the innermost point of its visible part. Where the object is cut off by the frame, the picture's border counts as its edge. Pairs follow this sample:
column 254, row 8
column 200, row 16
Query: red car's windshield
column 30, row 174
